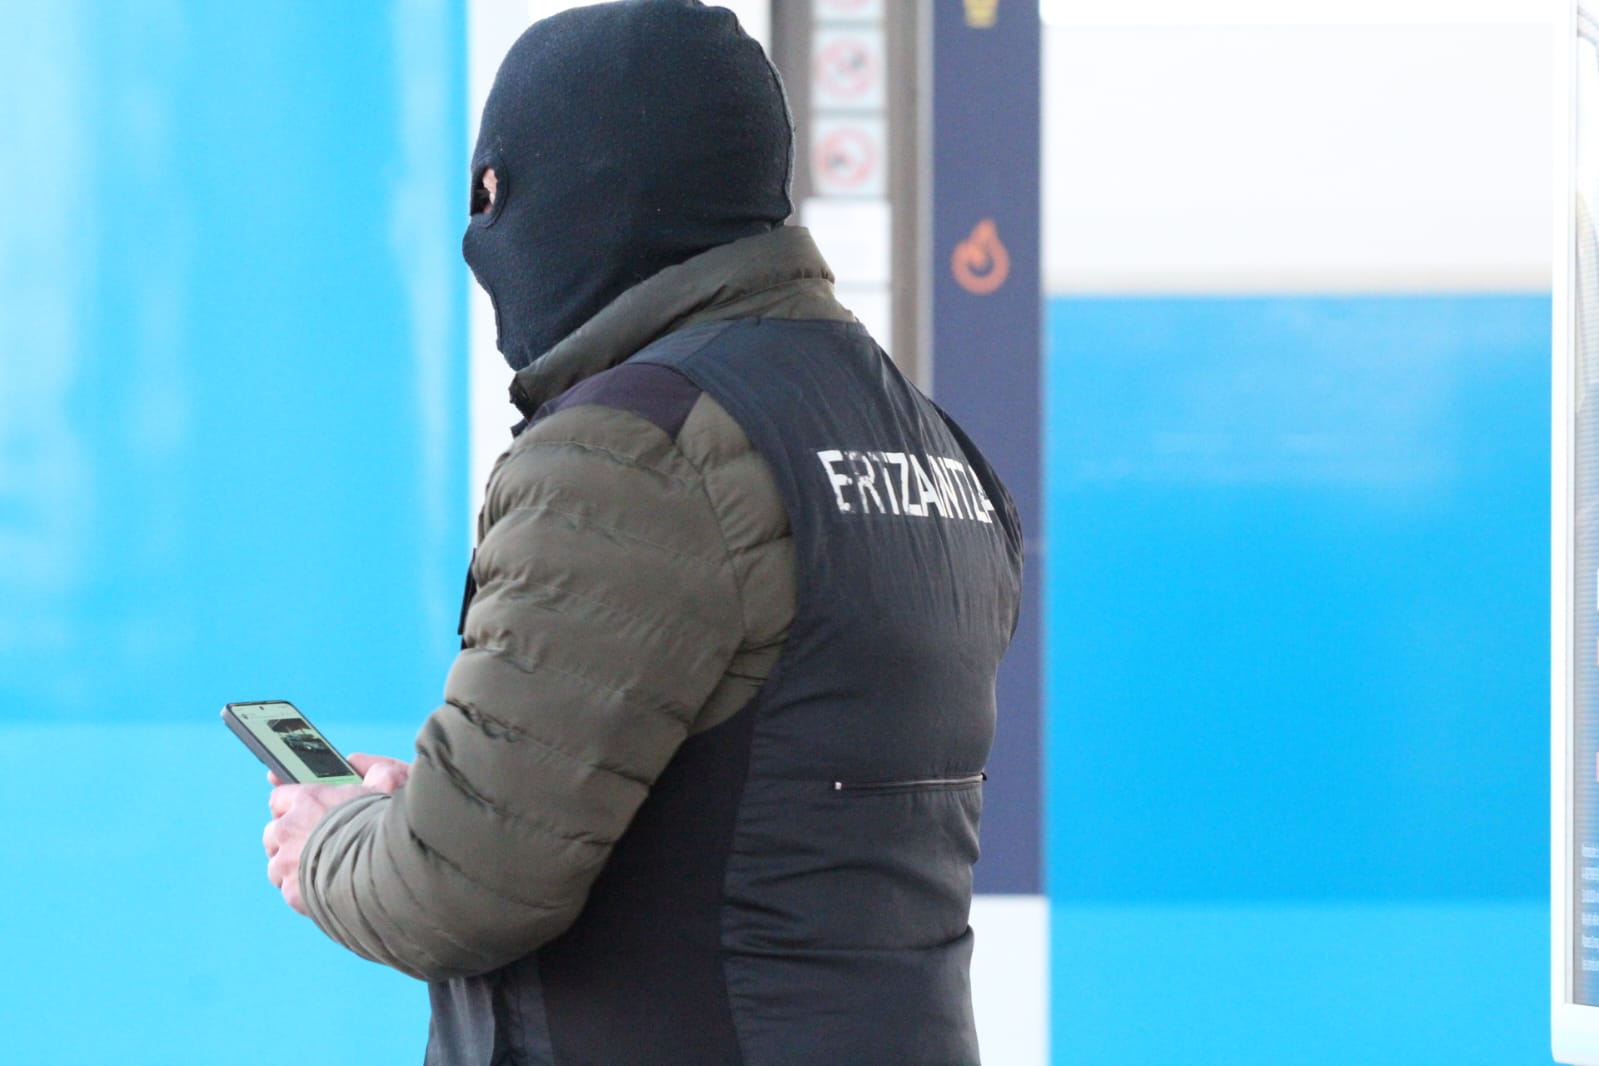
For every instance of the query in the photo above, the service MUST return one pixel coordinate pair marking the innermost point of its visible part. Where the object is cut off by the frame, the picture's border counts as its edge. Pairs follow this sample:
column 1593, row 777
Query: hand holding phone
column 288, row 744
column 298, row 754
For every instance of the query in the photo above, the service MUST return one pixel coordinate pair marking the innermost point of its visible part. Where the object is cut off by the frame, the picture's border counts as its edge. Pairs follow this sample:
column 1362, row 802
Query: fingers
column 282, row 798
column 296, row 810
column 272, row 778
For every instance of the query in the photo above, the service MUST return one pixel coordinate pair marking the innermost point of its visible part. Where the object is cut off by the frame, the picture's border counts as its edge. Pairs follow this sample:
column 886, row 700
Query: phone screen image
column 298, row 736
column 291, row 746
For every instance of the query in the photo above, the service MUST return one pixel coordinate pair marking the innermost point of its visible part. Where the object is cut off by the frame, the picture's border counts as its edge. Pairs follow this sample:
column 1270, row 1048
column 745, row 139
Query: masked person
column 706, row 782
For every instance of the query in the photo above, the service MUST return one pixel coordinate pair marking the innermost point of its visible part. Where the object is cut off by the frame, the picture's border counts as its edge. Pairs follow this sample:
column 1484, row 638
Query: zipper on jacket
column 912, row 785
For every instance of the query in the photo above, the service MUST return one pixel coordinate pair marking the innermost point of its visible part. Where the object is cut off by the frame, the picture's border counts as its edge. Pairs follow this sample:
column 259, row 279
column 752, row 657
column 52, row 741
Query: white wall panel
column 1010, row 979
column 1229, row 156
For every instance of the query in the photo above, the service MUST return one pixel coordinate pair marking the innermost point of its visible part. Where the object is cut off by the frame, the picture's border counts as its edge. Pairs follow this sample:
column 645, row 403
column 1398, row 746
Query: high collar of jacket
column 772, row 275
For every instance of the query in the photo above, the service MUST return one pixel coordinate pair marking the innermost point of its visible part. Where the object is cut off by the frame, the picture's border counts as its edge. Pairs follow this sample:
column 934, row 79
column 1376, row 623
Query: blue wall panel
column 1325, row 984
column 1298, row 618
column 232, row 465
column 232, row 458
column 1297, row 678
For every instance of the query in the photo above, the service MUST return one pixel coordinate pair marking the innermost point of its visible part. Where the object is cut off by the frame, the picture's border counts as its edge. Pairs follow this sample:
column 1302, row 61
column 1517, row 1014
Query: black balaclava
column 625, row 137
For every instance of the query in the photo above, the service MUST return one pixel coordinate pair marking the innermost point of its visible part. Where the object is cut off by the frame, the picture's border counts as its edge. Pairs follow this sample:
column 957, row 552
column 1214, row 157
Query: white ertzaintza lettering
column 927, row 490
column 946, row 487
column 840, row 481
column 865, row 482
column 888, row 482
column 899, row 460
column 905, row 484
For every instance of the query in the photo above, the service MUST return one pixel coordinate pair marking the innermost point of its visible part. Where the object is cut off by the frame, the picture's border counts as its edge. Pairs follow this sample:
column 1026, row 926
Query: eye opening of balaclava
column 480, row 202
column 625, row 137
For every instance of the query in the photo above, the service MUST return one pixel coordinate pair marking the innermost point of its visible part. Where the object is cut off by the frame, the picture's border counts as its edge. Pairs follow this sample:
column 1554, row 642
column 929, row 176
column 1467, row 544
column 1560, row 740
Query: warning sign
column 848, row 10
column 849, row 156
column 847, row 69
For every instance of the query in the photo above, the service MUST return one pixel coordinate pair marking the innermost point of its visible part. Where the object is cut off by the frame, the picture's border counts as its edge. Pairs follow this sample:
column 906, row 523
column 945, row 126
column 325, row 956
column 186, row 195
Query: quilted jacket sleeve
column 606, row 615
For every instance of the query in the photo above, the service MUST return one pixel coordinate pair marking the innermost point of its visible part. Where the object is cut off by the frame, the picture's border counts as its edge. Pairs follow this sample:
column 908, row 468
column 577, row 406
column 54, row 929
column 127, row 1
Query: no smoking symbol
column 846, row 159
column 846, row 68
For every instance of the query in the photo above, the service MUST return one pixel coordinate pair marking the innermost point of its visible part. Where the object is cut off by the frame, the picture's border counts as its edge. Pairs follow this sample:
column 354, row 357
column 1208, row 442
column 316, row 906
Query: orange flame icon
column 981, row 263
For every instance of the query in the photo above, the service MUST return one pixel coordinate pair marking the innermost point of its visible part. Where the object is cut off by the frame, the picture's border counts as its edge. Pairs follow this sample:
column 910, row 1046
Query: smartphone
column 290, row 746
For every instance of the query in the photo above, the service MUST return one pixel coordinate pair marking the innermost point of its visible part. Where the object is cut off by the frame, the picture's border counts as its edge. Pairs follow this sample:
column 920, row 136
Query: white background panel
column 1010, row 979
column 1188, row 154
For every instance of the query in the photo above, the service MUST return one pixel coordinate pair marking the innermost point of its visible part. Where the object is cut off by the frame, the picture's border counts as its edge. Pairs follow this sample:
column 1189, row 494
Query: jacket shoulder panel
column 658, row 394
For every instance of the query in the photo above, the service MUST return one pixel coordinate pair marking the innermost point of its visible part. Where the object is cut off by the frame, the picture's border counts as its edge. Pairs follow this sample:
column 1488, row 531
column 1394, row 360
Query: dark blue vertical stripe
column 986, row 351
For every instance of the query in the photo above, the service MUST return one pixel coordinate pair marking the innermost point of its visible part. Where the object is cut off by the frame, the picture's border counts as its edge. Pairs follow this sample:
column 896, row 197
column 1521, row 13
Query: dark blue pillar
column 986, row 348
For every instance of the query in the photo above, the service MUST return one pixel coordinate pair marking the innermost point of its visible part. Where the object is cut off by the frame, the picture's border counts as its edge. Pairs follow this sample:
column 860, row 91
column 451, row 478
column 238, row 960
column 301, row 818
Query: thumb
column 363, row 762
column 380, row 772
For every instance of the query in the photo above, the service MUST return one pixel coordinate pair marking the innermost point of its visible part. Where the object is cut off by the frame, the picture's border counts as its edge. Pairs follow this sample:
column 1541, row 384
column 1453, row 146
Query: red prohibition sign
column 846, row 68
column 847, row 157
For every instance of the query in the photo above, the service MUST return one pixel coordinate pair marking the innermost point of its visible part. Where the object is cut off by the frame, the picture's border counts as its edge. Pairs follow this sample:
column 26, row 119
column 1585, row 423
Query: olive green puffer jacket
column 632, row 590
